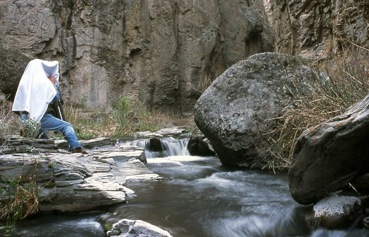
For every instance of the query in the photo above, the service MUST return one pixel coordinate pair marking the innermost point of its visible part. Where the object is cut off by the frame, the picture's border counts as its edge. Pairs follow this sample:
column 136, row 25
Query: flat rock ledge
column 71, row 182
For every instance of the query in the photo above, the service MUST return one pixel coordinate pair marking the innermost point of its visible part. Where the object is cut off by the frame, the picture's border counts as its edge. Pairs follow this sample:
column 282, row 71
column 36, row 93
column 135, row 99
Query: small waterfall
column 169, row 147
column 175, row 147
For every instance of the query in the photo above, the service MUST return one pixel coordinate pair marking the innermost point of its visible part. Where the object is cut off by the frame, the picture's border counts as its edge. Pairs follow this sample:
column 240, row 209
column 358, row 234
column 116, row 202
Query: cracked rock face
column 315, row 28
column 164, row 53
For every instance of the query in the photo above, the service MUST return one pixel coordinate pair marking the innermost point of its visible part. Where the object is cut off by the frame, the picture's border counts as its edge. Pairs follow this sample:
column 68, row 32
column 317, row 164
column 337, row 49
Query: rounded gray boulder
column 244, row 102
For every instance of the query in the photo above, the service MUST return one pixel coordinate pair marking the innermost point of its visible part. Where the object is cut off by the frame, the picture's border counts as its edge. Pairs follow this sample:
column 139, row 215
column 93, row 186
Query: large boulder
column 245, row 101
column 331, row 155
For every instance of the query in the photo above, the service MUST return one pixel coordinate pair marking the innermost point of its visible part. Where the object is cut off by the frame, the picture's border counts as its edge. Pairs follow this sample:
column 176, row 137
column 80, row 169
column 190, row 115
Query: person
column 36, row 93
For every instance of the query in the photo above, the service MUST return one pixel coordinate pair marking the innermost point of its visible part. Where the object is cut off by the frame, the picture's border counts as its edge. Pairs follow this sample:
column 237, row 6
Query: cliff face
column 318, row 28
column 163, row 52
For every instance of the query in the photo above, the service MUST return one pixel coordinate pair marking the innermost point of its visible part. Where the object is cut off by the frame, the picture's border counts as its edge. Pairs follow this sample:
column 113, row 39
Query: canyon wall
column 317, row 29
column 163, row 53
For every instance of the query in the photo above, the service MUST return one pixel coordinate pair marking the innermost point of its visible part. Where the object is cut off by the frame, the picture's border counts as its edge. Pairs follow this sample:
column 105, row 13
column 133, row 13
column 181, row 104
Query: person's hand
column 52, row 78
column 24, row 115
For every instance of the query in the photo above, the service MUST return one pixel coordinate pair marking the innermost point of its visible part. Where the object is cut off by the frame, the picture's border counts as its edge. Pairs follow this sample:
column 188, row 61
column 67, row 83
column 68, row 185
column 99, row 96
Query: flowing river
column 198, row 198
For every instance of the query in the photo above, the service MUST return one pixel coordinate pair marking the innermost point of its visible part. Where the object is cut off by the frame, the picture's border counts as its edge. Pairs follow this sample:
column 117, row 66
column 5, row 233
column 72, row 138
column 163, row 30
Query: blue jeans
column 50, row 123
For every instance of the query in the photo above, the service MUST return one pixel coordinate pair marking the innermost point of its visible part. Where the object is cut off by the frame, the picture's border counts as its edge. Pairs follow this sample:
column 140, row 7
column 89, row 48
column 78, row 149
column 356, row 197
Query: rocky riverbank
column 70, row 182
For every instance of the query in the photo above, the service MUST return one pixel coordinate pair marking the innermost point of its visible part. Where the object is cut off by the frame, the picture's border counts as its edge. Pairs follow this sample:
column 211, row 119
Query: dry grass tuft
column 89, row 124
column 9, row 122
column 124, row 118
column 23, row 204
column 346, row 82
column 19, row 198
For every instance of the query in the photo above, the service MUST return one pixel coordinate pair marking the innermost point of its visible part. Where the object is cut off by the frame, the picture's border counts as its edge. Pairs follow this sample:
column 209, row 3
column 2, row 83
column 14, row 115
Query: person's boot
column 79, row 150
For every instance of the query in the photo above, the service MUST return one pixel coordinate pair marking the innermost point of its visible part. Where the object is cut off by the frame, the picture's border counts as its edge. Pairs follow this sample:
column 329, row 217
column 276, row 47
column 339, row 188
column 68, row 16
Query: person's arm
column 52, row 78
column 57, row 100
column 57, row 96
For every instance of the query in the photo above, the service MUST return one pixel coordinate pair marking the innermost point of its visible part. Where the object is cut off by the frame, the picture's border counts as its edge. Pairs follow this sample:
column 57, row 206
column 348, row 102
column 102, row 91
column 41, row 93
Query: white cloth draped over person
column 35, row 90
column 35, row 95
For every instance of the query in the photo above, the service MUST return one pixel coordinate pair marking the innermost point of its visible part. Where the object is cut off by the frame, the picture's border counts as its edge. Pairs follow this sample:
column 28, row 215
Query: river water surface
column 197, row 198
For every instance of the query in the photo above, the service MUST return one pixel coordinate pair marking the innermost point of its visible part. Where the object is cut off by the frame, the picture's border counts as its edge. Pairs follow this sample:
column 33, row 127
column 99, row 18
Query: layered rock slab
column 73, row 182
